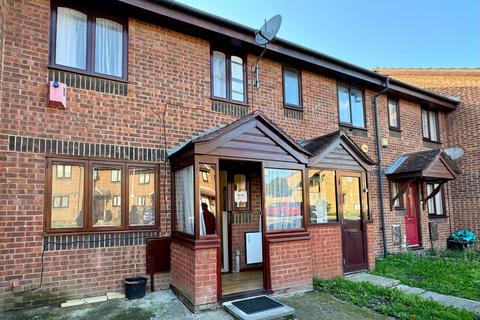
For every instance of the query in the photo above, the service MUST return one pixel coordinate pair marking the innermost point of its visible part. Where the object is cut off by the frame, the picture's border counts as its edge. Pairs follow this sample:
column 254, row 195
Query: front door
column 352, row 219
column 411, row 219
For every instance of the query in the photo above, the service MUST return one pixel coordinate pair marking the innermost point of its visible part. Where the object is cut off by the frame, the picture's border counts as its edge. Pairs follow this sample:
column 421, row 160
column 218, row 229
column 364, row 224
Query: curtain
column 108, row 47
column 219, row 75
column 184, row 199
column 71, row 38
column 283, row 199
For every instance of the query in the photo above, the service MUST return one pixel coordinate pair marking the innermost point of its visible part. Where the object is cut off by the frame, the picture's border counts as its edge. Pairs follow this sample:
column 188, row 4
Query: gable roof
column 321, row 146
column 260, row 130
column 422, row 165
column 197, row 22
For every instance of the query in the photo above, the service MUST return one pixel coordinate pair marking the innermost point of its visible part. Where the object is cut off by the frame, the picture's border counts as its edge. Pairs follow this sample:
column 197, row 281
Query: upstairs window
column 430, row 125
column 228, row 77
column 88, row 42
column 394, row 114
column 292, row 93
column 350, row 106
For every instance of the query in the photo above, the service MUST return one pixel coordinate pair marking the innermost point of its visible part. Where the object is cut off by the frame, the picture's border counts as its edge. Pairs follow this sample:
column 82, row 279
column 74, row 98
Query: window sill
column 395, row 129
column 431, row 216
column 347, row 126
column 432, row 141
column 356, row 131
column 86, row 73
column 239, row 103
column 292, row 107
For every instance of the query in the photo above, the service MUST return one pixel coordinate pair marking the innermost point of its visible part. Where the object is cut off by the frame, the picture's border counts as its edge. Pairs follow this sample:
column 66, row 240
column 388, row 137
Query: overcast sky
column 370, row 33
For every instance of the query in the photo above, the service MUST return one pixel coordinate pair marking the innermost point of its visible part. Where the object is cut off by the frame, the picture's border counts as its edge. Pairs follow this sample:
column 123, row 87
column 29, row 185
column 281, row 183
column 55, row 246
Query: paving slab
column 410, row 290
column 367, row 277
column 466, row 304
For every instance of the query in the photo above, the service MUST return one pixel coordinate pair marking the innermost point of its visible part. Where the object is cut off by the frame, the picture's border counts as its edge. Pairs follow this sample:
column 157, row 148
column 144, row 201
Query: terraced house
column 133, row 142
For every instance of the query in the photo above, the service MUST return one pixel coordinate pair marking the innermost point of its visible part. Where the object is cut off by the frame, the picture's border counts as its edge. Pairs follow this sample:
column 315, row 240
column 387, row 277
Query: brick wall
column 291, row 265
column 326, row 253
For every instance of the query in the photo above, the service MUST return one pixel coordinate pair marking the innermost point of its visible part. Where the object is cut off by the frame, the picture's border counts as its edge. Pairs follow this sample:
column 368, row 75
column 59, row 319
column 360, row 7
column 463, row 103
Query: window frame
column 88, row 165
column 228, row 55
column 397, row 108
column 347, row 124
column 429, row 138
column 300, row 96
column 401, row 201
column 92, row 15
column 442, row 193
column 337, row 220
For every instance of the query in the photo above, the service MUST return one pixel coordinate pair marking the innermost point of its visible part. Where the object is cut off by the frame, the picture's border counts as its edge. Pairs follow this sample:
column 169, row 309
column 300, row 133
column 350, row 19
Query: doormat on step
column 257, row 304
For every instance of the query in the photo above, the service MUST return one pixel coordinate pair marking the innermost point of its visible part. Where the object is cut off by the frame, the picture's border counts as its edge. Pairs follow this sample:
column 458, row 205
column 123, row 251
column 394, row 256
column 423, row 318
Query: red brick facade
column 166, row 69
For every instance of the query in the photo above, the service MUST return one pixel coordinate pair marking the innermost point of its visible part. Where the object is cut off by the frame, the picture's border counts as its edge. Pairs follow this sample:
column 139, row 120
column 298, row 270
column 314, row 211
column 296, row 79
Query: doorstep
column 278, row 310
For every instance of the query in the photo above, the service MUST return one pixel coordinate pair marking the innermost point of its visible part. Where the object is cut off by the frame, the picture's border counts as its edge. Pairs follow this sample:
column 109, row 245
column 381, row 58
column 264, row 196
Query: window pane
column 141, row 198
column 184, row 200
column 108, row 47
column 392, row 112
column 208, row 211
column 67, row 198
column 240, row 192
column 283, row 199
column 219, row 75
column 439, row 201
column 425, row 124
column 431, row 201
column 237, row 79
column 291, row 87
column 323, row 199
column 344, row 104
column 433, row 125
column 71, row 38
column 352, row 209
column 356, row 101
column 107, row 199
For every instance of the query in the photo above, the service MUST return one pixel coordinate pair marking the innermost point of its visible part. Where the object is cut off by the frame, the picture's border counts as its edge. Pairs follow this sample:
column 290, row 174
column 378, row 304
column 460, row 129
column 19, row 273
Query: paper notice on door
column 240, row 196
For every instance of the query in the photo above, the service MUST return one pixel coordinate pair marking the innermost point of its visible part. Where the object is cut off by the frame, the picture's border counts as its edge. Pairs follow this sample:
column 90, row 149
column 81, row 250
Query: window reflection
column 323, row 198
column 352, row 209
column 184, row 200
column 141, row 196
column 107, row 199
column 240, row 191
column 67, row 196
column 208, row 211
column 283, row 199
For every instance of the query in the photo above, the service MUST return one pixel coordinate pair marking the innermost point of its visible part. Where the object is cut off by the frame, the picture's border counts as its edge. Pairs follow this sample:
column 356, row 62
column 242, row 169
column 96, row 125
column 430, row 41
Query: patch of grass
column 448, row 276
column 470, row 254
column 389, row 301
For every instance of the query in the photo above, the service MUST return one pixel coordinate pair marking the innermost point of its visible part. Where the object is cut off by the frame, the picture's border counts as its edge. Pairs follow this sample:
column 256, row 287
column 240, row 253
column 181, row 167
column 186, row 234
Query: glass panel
column 107, row 199
column 356, row 101
column 208, row 210
column 392, row 112
column 108, row 47
column 433, row 125
column 431, row 201
column 344, row 104
column 283, row 199
column 323, row 199
column 67, row 198
column 71, row 38
column 184, row 200
column 219, row 75
column 240, row 192
column 426, row 134
column 395, row 190
column 439, row 202
column 291, row 87
column 237, row 79
column 352, row 209
column 141, row 198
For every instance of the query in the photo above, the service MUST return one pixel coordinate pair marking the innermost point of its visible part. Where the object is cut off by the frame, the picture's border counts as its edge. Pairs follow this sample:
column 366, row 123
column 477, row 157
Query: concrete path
column 466, row 304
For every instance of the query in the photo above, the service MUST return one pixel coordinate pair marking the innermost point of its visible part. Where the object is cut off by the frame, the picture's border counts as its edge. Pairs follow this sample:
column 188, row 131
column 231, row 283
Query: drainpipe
column 379, row 165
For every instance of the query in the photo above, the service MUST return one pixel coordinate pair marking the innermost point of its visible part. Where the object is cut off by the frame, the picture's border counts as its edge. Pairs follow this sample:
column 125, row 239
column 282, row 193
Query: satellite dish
column 268, row 31
column 454, row 153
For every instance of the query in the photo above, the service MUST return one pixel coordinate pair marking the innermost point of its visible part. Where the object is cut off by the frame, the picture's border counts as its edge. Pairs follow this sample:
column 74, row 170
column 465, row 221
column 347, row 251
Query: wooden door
column 411, row 219
column 351, row 208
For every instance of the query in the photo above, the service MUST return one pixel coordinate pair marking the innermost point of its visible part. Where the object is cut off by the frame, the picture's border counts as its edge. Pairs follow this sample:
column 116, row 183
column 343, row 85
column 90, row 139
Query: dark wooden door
column 411, row 219
column 351, row 217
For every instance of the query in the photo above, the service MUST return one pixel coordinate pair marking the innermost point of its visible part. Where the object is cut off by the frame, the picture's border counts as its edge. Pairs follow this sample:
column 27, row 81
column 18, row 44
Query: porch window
column 283, row 199
column 240, row 192
column 350, row 106
column 292, row 92
column 87, row 41
column 323, row 198
column 184, row 200
column 228, row 76
column 96, row 195
column 430, row 125
column 208, row 200
column 141, row 190
column 435, row 204
column 398, row 204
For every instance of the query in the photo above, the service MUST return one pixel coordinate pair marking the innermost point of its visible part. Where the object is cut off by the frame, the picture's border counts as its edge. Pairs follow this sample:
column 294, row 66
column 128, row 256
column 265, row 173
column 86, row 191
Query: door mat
column 258, row 308
column 258, row 304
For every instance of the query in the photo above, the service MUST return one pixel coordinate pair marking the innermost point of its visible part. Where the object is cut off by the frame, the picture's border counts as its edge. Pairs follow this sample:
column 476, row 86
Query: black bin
column 135, row 287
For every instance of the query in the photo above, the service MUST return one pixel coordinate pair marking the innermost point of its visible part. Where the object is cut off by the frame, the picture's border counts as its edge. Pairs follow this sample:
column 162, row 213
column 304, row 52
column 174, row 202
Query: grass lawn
column 448, row 276
column 389, row 301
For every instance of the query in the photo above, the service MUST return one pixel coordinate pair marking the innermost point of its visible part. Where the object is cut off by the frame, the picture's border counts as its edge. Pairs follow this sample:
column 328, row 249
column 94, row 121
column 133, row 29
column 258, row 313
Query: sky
column 370, row 33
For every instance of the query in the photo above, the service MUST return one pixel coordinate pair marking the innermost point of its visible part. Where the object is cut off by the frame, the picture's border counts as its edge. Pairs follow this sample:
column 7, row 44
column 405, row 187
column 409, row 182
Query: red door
column 411, row 219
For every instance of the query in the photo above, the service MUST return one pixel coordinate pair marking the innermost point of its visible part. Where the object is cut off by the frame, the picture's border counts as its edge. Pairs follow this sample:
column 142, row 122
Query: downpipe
column 379, row 165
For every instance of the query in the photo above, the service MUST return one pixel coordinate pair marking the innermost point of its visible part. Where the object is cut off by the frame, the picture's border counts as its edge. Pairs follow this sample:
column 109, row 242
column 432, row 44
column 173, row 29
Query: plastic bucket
column 135, row 287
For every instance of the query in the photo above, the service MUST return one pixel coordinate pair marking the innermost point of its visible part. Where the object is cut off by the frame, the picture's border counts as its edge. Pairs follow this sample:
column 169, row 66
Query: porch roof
column 428, row 165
